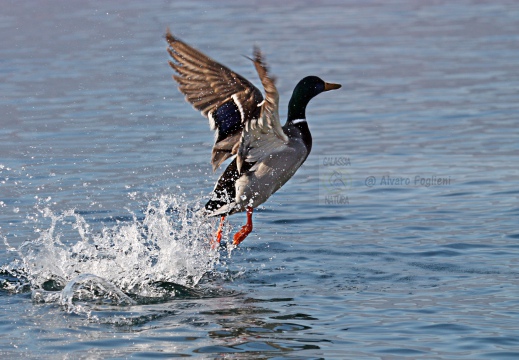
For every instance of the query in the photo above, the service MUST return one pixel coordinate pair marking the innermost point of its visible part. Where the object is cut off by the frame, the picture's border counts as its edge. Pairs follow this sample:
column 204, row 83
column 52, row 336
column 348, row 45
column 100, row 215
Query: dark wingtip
column 247, row 57
column 169, row 36
column 256, row 52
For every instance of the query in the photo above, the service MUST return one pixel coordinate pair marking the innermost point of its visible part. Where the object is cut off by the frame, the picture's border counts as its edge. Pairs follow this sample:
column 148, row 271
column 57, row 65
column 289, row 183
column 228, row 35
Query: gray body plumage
column 272, row 169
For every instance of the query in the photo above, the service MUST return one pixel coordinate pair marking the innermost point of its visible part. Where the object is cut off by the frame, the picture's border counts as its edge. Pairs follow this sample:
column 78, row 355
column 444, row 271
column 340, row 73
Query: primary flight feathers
column 227, row 99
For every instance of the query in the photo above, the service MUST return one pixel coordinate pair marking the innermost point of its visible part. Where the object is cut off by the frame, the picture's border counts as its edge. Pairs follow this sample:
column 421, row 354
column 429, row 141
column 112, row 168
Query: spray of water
column 168, row 246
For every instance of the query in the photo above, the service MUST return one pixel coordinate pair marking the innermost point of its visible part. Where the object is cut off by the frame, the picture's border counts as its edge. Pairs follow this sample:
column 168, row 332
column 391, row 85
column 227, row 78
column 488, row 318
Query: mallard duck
column 247, row 126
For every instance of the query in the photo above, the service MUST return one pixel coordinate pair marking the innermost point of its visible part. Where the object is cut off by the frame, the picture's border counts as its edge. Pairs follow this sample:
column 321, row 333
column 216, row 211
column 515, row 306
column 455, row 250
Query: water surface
column 103, row 166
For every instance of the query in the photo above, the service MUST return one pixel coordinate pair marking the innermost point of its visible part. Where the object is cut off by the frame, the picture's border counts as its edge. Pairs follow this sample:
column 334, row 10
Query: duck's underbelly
column 255, row 187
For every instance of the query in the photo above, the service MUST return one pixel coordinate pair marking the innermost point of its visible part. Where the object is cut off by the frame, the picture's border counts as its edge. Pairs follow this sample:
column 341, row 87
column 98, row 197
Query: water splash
column 168, row 247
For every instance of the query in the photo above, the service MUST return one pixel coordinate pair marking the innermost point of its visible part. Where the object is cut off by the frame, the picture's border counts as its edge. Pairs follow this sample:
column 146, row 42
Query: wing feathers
column 255, row 130
column 208, row 85
column 270, row 112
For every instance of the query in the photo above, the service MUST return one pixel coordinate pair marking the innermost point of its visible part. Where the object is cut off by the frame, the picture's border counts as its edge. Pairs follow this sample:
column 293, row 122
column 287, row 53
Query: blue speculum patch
column 227, row 119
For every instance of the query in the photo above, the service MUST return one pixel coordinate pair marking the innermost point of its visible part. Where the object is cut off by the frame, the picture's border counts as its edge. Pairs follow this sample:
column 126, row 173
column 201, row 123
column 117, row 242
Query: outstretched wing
column 262, row 136
column 226, row 98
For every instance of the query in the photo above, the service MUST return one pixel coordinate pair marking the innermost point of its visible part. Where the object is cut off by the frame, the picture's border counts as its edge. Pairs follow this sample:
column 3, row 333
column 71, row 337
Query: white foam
column 171, row 244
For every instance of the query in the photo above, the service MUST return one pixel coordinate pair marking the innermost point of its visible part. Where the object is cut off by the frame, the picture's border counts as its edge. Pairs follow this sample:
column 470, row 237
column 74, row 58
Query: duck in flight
column 247, row 126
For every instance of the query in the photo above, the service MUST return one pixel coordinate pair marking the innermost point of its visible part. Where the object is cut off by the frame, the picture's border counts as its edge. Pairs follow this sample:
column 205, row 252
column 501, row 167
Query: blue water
column 103, row 166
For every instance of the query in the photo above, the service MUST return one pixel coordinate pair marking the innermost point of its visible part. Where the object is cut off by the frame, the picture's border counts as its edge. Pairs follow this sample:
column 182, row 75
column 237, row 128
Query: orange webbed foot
column 216, row 242
column 245, row 230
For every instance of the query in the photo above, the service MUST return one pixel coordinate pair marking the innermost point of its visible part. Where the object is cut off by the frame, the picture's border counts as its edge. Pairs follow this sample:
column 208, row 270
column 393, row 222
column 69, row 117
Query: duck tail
column 218, row 207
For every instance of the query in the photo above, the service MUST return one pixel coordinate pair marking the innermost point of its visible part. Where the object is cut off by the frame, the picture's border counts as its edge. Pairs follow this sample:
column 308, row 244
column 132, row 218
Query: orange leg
column 218, row 233
column 246, row 229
